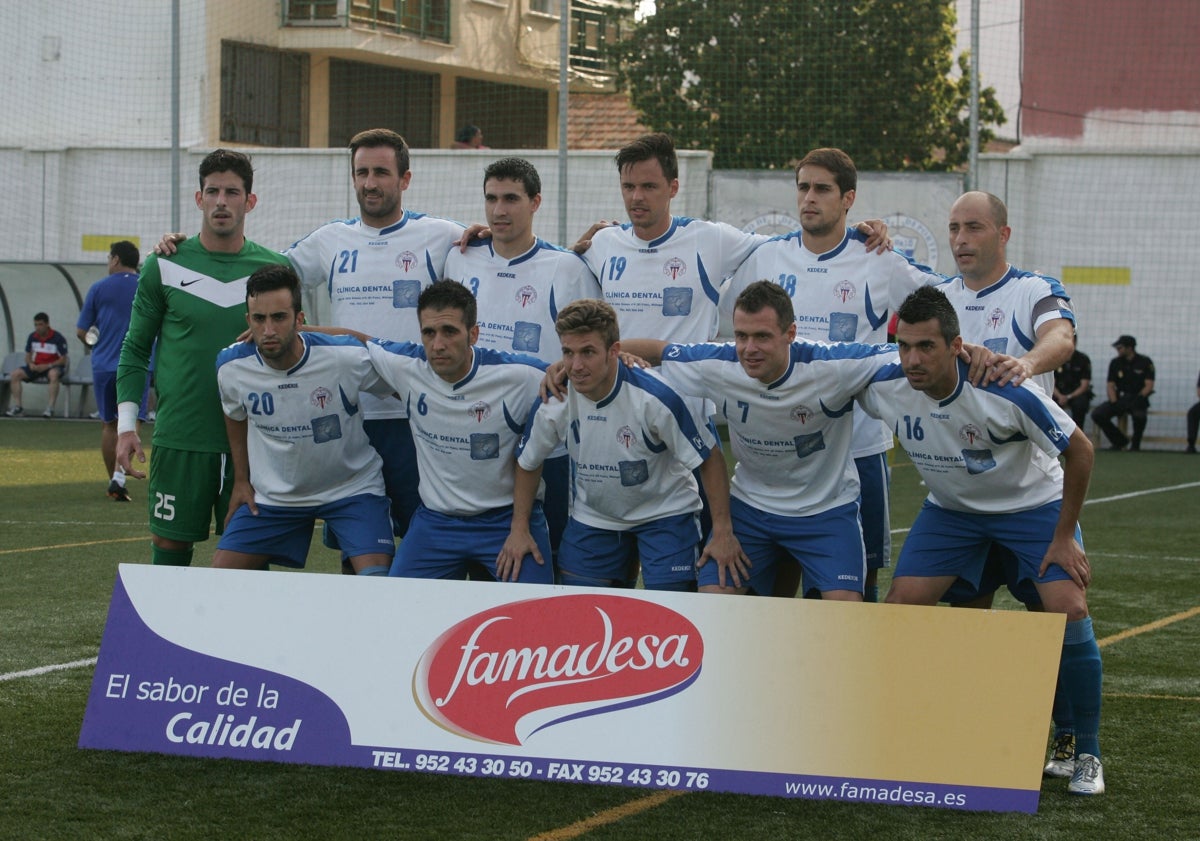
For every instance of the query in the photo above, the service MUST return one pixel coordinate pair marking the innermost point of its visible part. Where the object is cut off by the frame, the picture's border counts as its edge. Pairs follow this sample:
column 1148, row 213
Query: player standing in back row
column 194, row 303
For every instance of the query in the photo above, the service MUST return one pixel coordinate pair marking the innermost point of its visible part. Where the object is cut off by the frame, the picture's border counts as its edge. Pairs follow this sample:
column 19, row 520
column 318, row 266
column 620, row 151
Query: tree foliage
column 762, row 84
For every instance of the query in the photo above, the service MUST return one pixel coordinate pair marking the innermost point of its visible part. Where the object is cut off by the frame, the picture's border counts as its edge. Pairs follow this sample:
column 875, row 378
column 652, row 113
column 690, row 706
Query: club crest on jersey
column 406, row 261
column 508, row 672
column 969, row 434
column 844, row 291
column 674, row 268
column 480, row 410
column 995, row 318
column 801, row 413
column 526, row 296
column 625, row 437
column 320, row 397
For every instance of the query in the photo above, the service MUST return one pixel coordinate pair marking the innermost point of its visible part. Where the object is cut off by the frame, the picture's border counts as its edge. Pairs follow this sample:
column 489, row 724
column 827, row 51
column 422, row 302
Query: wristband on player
column 127, row 415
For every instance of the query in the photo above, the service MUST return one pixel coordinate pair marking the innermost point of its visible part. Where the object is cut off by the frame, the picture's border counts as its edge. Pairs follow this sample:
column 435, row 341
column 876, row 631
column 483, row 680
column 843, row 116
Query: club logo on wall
column 772, row 224
column 912, row 238
column 505, row 673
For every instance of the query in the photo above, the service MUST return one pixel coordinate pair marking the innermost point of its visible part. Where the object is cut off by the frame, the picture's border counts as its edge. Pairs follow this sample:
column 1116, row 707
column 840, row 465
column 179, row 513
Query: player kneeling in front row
column 296, row 438
column 795, row 488
column 467, row 406
column 633, row 444
column 990, row 458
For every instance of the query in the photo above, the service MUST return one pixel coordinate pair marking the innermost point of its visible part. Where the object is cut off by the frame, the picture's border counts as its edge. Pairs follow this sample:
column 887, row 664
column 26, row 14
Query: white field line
column 1118, row 498
column 42, row 670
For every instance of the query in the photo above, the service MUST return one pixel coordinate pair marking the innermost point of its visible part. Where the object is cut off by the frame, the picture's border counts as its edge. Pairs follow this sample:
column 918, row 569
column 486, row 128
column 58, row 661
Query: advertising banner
column 782, row 697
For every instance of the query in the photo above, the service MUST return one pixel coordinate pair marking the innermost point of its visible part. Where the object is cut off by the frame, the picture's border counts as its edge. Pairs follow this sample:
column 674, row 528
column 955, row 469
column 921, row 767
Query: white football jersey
column 846, row 294
column 1005, row 316
column 519, row 299
column 990, row 450
column 465, row 432
column 668, row 288
column 632, row 453
column 791, row 438
column 374, row 276
column 304, row 431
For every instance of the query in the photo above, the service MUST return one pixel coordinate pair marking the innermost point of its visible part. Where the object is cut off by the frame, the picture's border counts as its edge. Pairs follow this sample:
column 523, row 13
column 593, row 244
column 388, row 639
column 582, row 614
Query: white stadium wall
column 1118, row 222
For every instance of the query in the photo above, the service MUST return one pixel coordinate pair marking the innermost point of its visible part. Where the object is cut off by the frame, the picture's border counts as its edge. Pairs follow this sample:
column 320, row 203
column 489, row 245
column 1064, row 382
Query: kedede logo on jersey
column 503, row 674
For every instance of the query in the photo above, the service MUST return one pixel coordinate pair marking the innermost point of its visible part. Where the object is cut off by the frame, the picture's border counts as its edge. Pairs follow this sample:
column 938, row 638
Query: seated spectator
column 1073, row 384
column 1130, row 384
column 45, row 362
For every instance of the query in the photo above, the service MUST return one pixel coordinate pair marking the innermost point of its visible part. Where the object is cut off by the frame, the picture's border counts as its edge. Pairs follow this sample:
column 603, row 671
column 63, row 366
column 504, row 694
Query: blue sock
column 1080, row 674
column 1064, row 721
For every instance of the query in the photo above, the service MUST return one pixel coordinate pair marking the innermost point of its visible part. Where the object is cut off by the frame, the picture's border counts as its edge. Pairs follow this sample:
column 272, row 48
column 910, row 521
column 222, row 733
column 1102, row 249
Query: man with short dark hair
column 102, row 325
column 45, row 362
column 374, row 267
column 1130, row 384
column 296, row 438
column 842, row 291
column 468, row 407
column 520, row 282
column 989, row 455
column 193, row 304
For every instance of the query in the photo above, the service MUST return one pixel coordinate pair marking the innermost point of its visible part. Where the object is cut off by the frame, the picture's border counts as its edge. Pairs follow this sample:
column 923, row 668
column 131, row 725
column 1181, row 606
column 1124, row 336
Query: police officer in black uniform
column 1073, row 385
column 1130, row 384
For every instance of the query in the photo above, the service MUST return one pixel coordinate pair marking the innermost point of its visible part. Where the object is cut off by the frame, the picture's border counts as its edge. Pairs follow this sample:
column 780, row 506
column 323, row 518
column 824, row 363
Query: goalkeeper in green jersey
column 193, row 304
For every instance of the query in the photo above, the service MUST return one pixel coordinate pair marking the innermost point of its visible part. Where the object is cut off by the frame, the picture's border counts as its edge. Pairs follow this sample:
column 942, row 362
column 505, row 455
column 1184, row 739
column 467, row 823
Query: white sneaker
column 1088, row 777
column 49, row 413
column 1062, row 757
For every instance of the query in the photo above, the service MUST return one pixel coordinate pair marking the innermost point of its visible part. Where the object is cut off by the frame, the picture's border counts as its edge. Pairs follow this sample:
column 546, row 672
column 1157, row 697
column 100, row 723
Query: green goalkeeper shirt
column 194, row 304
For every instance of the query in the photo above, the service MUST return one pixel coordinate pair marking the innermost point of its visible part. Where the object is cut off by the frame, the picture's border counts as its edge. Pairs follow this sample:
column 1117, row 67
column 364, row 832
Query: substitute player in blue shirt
column 990, row 458
column 102, row 325
column 296, row 438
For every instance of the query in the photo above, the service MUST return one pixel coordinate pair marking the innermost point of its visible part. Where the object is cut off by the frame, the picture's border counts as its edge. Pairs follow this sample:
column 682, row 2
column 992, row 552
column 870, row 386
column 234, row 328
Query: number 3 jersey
column 990, row 450
column 374, row 277
column 519, row 299
column 305, row 434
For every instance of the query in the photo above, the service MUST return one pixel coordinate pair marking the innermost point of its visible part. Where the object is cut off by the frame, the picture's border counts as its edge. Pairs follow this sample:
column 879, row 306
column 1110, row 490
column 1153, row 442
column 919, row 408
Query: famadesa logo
column 565, row 657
